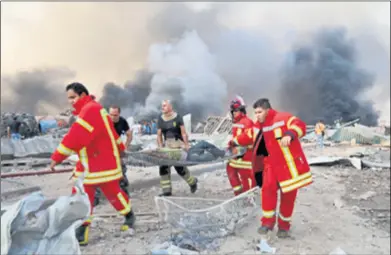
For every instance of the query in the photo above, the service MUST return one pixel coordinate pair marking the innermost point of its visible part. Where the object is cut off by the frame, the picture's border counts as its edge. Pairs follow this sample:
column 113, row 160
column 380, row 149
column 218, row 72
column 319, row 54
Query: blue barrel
column 48, row 124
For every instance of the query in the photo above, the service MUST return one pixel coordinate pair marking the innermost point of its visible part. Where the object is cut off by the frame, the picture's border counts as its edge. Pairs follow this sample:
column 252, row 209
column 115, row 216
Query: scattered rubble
column 337, row 251
column 35, row 225
column 341, row 196
column 29, row 127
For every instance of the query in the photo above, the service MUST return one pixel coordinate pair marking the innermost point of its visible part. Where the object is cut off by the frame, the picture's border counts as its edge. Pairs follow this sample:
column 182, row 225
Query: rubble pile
column 40, row 146
column 218, row 125
column 28, row 128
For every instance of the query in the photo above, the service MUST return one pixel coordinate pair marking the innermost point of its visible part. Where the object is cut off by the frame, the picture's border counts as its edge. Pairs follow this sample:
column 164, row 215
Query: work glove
column 259, row 178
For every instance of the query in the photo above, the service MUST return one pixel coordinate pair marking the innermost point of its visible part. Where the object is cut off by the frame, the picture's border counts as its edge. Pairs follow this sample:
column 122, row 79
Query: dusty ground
column 344, row 208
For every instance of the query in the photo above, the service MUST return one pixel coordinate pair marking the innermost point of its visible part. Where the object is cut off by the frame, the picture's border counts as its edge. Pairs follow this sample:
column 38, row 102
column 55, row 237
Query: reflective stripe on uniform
column 127, row 206
column 105, row 117
column 268, row 214
column 119, row 141
column 239, row 163
column 64, row 150
column 294, row 127
column 275, row 125
column 255, row 132
column 249, row 133
column 287, row 219
column 294, row 180
column 298, row 184
column 287, row 155
column 84, row 159
column 237, row 188
column 84, row 124
column 102, row 179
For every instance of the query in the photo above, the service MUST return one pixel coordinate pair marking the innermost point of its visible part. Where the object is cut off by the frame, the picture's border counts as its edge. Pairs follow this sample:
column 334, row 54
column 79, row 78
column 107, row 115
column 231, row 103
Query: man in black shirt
column 171, row 133
column 121, row 126
column 13, row 129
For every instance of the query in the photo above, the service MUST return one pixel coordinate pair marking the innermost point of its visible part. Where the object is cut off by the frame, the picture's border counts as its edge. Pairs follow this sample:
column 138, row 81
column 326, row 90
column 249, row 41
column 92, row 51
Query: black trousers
column 164, row 170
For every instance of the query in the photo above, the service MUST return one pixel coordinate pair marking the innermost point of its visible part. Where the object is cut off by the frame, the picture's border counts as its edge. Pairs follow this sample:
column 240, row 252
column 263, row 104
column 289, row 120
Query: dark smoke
column 132, row 98
column 247, row 62
column 323, row 81
column 33, row 92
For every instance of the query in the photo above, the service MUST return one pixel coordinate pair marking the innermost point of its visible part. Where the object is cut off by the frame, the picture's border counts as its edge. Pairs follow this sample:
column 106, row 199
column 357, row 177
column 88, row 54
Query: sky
column 109, row 42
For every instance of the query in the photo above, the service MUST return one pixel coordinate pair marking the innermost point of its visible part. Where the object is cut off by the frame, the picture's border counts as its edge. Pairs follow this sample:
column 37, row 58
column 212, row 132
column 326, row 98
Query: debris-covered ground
column 345, row 208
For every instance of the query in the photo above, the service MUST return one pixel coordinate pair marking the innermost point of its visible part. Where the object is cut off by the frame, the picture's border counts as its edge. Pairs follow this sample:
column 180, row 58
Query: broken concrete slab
column 329, row 161
column 360, row 135
column 367, row 163
column 353, row 161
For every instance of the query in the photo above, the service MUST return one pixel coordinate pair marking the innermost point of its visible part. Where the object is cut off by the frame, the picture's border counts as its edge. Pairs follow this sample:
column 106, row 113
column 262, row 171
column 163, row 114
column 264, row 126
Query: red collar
column 270, row 115
column 81, row 103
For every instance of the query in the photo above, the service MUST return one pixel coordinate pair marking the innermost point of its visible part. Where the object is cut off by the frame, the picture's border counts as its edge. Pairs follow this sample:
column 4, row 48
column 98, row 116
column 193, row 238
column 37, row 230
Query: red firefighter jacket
column 289, row 163
column 92, row 136
column 242, row 133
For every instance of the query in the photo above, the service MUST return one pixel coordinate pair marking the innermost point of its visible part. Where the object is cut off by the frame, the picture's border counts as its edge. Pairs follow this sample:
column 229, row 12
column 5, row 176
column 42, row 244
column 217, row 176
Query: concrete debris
column 361, row 135
column 218, row 125
column 199, row 128
column 367, row 195
column 170, row 249
column 337, row 251
column 36, row 225
column 338, row 203
column 40, row 146
column 355, row 162
column 28, row 128
column 329, row 161
column 264, row 247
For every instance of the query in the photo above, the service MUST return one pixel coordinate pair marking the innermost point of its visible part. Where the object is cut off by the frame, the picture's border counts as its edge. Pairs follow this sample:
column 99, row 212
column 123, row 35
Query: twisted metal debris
column 199, row 224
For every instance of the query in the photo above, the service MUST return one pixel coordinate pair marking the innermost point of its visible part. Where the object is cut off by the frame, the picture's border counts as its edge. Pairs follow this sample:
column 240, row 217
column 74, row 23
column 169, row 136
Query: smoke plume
column 202, row 58
column 183, row 72
column 37, row 91
column 322, row 80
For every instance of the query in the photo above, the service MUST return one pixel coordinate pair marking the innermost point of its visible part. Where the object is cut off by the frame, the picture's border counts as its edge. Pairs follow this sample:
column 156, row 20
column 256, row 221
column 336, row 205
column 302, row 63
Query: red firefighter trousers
column 241, row 180
column 270, row 189
column 113, row 192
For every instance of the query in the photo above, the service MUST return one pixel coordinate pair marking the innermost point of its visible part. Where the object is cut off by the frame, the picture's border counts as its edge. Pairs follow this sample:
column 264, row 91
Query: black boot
column 165, row 194
column 193, row 187
column 130, row 219
column 82, row 235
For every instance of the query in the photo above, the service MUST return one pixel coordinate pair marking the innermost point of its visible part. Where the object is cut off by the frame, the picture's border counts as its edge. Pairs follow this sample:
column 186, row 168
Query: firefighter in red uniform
column 239, row 170
column 93, row 138
column 278, row 154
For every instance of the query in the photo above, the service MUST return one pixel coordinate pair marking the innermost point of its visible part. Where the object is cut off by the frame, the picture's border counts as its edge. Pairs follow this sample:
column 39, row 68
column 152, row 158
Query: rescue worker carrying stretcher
column 239, row 169
column 94, row 139
column 278, row 154
column 171, row 127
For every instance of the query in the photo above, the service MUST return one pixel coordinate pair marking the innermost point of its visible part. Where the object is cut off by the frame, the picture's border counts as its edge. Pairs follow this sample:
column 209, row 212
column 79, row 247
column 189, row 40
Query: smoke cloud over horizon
column 322, row 80
column 201, row 58
column 36, row 91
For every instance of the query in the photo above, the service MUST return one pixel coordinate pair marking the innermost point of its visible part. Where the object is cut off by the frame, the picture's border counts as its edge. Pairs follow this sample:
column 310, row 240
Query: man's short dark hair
column 262, row 103
column 115, row 107
column 78, row 88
